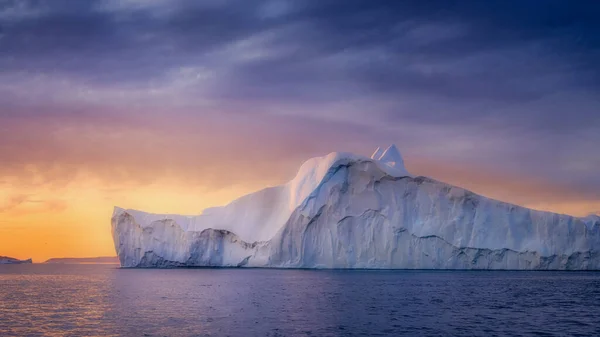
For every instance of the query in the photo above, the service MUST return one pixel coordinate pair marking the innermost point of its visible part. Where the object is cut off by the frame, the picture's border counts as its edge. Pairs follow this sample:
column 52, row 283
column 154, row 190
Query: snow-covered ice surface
column 349, row 211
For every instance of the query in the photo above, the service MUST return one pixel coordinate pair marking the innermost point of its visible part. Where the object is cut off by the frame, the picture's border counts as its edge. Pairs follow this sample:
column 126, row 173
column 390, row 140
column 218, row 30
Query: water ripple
column 89, row 300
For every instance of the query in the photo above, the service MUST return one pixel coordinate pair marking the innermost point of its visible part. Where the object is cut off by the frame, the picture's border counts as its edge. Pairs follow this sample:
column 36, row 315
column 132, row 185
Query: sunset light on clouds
column 175, row 106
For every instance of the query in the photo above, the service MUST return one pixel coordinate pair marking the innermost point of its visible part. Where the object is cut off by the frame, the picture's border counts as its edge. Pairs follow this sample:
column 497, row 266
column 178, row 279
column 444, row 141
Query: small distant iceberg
column 11, row 260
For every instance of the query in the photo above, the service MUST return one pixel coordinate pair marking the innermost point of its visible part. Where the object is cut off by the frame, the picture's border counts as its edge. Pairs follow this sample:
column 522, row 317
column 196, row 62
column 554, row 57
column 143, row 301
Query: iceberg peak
column 377, row 154
column 390, row 156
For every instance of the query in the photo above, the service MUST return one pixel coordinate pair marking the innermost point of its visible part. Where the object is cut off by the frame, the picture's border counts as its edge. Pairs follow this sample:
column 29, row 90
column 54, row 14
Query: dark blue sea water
column 102, row 300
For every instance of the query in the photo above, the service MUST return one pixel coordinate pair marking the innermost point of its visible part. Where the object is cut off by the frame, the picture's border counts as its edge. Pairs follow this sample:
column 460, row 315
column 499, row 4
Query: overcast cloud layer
column 223, row 92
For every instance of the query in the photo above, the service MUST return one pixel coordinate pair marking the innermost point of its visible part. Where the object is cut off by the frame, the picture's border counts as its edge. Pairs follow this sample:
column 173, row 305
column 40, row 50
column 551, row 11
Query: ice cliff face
column 349, row 211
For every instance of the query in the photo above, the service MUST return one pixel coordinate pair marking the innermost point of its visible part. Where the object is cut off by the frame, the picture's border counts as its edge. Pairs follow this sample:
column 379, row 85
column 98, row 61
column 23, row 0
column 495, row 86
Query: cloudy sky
column 173, row 106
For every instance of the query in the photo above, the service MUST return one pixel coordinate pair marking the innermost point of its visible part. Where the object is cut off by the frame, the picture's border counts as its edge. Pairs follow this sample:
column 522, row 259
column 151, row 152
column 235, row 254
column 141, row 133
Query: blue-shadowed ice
column 349, row 211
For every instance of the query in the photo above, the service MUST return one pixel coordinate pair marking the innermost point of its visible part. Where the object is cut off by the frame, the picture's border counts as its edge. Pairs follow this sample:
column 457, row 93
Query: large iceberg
column 349, row 211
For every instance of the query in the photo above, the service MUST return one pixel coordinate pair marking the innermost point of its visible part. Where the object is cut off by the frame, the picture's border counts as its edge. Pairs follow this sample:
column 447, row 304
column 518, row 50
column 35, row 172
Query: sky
column 174, row 106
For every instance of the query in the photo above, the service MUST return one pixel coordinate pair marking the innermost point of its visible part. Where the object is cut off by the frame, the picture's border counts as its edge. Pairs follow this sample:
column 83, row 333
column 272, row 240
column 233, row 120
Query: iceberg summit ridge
column 344, row 210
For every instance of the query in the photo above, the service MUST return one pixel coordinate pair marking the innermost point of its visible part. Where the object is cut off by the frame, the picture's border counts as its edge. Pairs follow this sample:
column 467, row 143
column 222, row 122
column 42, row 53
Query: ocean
column 104, row 300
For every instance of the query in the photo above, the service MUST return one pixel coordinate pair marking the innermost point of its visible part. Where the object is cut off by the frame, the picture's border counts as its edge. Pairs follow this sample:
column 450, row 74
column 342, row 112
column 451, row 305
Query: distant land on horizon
column 12, row 260
column 82, row 260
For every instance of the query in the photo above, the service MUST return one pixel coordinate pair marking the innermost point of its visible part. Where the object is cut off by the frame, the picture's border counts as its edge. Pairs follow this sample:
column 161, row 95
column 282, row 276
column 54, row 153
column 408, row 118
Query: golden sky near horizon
column 43, row 220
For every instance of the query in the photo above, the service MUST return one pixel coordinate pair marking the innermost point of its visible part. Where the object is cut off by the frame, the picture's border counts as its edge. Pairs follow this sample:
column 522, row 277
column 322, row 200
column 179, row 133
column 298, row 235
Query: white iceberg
column 349, row 211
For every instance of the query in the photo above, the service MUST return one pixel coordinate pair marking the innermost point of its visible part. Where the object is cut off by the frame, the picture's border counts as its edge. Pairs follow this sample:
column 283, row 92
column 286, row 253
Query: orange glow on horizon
column 74, row 220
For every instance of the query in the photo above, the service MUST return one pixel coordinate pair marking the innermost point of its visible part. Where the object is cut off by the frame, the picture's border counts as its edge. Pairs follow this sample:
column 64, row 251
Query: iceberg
column 12, row 260
column 350, row 211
